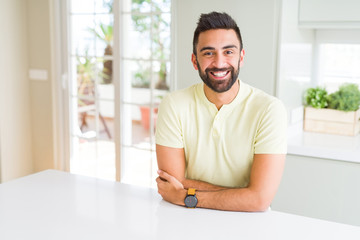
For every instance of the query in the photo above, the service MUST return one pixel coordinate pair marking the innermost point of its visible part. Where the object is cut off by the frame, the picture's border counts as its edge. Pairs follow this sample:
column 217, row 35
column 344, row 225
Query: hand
column 170, row 188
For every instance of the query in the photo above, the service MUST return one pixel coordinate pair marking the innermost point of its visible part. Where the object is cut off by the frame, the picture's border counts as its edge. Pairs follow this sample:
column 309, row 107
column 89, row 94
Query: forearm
column 231, row 199
column 200, row 185
column 234, row 199
column 217, row 197
column 265, row 178
column 248, row 199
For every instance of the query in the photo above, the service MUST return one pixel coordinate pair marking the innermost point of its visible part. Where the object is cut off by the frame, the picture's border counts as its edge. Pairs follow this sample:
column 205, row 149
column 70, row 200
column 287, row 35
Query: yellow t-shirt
column 219, row 145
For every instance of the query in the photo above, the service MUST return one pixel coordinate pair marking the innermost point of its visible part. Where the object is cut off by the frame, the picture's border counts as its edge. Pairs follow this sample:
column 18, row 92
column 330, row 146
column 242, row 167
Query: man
column 220, row 144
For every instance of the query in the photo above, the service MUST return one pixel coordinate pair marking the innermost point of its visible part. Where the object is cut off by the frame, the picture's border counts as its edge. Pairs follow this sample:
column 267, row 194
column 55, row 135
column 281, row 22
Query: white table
column 59, row 205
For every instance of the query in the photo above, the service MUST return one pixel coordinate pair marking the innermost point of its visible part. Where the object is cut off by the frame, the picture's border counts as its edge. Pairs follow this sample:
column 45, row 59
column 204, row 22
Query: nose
column 219, row 61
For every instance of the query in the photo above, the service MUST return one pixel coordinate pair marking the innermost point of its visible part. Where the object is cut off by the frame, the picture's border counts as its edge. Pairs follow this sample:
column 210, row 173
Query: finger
column 158, row 179
column 159, row 186
column 164, row 176
column 161, row 183
column 163, row 179
column 171, row 179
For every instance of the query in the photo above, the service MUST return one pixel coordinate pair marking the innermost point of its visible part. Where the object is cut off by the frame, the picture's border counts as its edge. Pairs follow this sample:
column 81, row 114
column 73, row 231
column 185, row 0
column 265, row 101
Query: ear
column 242, row 54
column 194, row 61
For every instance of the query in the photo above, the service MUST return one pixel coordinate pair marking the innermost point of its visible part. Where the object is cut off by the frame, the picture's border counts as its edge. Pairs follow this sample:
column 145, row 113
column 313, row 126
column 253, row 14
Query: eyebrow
column 230, row 46
column 212, row 48
column 207, row 48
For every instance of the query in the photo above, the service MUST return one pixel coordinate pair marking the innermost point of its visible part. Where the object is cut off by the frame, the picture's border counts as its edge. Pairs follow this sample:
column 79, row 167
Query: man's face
column 218, row 59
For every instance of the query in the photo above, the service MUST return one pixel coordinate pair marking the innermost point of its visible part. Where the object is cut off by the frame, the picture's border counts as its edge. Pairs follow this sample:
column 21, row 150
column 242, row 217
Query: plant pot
column 145, row 116
column 332, row 121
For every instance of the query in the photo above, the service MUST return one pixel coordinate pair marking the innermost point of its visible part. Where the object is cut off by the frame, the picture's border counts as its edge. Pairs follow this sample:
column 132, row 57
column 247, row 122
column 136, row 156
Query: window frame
column 60, row 45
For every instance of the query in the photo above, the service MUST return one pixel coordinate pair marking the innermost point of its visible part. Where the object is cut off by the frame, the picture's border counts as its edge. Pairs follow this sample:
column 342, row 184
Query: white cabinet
column 329, row 13
column 320, row 188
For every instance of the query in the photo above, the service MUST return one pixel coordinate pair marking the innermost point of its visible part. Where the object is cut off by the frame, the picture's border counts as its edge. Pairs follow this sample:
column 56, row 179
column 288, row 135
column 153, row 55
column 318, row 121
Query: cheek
column 202, row 66
column 239, row 62
column 236, row 63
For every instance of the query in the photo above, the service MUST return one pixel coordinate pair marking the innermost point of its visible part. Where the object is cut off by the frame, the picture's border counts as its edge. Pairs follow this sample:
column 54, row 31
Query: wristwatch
column 190, row 199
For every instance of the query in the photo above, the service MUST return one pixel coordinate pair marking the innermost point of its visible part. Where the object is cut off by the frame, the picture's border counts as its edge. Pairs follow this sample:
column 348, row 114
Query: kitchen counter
column 58, row 205
column 320, row 145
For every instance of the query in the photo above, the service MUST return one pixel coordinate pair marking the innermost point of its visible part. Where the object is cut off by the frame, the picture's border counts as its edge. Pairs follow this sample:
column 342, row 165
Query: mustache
column 218, row 69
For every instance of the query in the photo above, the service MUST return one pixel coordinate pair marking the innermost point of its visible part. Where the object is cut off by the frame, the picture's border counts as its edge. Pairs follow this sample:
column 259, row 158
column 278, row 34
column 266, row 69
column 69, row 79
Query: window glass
column 91, row 83
column 146, row 79
column 338, row 64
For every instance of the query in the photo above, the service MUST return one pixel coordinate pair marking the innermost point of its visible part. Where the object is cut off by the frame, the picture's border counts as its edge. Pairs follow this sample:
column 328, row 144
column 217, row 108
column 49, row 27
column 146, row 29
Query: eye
column 228, row 52
column 208, row 53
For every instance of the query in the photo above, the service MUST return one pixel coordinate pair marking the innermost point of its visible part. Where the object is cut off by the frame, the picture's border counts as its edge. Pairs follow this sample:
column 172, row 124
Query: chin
column 222, row 87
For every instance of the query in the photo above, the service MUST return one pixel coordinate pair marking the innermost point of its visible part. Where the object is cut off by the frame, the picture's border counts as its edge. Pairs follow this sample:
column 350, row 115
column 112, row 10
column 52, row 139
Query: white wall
column 38, row 33
column 25, row 105
column 15, row 115
column 295, row 58
column 258, row 23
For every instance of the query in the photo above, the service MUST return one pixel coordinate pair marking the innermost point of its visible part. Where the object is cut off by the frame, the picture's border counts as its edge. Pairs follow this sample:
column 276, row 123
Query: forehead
column 218, row 38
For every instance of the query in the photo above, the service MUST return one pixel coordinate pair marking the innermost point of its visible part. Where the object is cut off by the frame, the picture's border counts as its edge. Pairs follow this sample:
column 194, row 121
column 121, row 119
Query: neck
column 219, row 99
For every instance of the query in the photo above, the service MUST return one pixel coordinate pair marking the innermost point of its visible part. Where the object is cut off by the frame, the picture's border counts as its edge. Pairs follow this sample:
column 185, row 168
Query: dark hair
column 215, row 20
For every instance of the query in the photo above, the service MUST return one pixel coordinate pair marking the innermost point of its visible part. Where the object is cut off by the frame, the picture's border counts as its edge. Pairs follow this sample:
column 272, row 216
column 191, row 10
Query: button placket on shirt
column 219, row 119
column 216, row 128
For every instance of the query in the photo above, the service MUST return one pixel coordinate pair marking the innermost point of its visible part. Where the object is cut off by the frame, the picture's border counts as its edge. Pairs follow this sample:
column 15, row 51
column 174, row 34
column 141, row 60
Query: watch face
column 190, row 201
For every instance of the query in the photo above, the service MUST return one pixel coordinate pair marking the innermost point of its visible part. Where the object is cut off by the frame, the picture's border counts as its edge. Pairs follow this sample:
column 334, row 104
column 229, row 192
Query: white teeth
column 219, row 74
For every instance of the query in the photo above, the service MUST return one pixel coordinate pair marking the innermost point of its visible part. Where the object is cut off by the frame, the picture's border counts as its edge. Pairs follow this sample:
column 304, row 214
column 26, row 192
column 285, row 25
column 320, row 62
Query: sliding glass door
column 118, row 71
column 146, row 79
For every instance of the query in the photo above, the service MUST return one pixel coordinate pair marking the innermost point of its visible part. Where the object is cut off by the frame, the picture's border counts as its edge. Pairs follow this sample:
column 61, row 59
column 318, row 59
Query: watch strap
column 191, row 191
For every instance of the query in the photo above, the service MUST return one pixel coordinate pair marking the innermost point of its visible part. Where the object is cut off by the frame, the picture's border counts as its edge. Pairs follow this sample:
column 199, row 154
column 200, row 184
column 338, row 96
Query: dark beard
column 219, row 87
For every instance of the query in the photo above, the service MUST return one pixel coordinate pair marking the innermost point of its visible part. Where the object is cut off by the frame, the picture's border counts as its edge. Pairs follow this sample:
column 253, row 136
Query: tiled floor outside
column 96, row 158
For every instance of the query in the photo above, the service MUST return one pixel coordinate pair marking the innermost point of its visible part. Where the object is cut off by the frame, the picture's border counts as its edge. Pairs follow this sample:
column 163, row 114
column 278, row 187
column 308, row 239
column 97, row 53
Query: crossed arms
column 265, row 178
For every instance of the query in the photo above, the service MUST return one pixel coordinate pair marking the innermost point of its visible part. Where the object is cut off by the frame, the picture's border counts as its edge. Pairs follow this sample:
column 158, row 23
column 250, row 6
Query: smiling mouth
column 219, row 74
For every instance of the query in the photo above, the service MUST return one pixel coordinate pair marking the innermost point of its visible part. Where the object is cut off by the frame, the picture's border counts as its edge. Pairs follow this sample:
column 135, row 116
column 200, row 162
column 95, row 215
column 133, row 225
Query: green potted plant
column 337, row 113
column 347, row 98
column 143, row 77
column 85, row 68
column 142, row 26
column 105, row 33
column 316, row 97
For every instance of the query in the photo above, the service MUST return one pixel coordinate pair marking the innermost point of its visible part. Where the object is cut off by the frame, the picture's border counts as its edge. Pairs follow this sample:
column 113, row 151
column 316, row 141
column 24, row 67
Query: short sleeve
column 271, row 135
column 168, row 125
